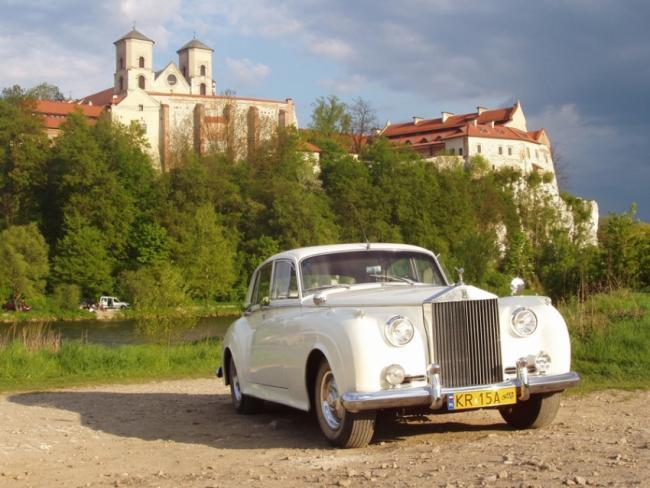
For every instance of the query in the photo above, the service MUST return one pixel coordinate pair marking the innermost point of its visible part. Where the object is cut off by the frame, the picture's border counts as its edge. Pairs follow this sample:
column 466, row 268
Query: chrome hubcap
column 331, row 402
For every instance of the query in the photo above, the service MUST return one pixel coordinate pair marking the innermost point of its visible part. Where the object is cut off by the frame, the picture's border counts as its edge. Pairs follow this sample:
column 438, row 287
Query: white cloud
column 351, row 85
column 33, row 59
column 331, row 48
column 248, row 72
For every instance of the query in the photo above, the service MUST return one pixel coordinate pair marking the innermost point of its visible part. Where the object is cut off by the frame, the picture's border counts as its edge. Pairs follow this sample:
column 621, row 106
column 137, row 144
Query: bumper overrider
column 435, row 396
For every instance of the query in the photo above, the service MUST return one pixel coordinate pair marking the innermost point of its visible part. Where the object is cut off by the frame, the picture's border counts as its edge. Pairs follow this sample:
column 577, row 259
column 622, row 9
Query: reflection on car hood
column 382, row 295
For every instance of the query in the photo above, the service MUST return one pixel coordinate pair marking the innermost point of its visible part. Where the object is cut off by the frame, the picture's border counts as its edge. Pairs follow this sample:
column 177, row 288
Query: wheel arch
column 227, row 356
column 316, row 356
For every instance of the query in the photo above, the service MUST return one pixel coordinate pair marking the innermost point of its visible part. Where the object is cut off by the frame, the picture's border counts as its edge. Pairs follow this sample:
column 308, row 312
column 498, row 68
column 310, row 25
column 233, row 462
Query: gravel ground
column 185, row 433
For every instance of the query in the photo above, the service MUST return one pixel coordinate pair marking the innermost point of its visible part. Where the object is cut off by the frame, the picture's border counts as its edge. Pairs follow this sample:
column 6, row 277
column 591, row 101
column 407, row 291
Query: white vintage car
column 351, row 329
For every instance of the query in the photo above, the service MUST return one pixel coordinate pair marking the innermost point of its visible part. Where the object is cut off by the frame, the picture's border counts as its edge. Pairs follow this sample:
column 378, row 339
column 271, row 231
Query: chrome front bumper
column 434, row 396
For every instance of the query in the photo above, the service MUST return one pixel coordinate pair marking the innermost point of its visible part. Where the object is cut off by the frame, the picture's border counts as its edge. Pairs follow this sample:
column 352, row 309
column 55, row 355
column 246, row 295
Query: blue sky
column 580, row 68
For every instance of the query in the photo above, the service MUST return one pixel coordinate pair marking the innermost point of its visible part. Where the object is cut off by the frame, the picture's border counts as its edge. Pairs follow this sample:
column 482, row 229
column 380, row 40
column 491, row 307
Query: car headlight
column 523, row 322
column 399, row 330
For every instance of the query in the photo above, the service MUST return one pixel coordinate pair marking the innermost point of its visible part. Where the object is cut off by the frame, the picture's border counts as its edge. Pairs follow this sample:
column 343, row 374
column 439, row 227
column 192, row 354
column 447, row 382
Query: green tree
column 206, row 255
column 24, row 269
column 330, row 116
column 82, row 258
column 45, row 91
column 158, row 292
column 24, row 150
column 149, row 244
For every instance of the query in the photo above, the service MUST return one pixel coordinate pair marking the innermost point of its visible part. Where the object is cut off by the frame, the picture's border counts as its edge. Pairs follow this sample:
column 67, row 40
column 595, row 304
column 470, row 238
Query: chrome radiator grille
column 466, row 342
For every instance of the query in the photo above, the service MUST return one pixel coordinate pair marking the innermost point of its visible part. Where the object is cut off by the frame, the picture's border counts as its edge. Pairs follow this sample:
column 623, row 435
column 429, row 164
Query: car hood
column 381, row 295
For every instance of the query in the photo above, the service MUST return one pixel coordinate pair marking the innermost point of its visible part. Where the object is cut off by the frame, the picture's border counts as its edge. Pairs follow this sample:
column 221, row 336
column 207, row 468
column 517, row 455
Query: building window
column 121, row 84
column 509, row 150
column 184, row 70
column 478, row 148
column 203, row 89
column 141, row 108
column 141, row 82
column 121, row 63
column 500, row 150
column 203, row 70
column 460, row 151
column 282, row 119
column 141, row 62
column 528, row 152
column 171, row 80
column 536, row 154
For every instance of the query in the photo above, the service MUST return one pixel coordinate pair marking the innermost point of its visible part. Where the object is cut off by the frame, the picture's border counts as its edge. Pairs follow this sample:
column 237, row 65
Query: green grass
column 76, row 363
column 610, row 339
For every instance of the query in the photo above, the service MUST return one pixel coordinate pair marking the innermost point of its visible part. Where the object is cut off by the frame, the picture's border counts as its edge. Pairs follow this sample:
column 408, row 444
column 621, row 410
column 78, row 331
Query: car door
column 276, row 310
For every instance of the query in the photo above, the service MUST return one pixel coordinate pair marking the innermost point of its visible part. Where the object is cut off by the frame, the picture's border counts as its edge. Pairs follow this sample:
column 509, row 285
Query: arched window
column 141, row 62
column 121, row 84
column 203, row 89
column 141, row 82
column 184, row 70
column 121, row 63
column 203, row 70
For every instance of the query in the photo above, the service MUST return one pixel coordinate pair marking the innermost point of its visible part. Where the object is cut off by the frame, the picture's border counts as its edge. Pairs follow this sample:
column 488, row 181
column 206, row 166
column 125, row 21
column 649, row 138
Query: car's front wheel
column 342, row 428
column 242, row 403
column 538, row 411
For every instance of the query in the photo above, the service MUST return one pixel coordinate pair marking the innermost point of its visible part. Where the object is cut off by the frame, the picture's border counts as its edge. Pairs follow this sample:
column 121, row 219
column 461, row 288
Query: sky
column 580, row 68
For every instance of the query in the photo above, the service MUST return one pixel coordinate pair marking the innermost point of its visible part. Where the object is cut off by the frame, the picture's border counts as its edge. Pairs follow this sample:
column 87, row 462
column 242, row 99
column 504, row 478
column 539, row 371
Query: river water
column 120, row 332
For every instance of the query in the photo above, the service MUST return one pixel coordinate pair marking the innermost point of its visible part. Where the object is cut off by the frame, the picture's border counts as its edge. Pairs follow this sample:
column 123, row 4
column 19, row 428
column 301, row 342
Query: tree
column 82, row 258
column 363, row 119
column 206, row 255
column 330, row 116
column 24, row 268
column 24, row 149
column 45, row 91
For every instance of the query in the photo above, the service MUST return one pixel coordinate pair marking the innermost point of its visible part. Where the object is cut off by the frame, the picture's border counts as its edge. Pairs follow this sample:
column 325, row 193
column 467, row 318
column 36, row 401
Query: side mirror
column 265, row 302
column 517, row 285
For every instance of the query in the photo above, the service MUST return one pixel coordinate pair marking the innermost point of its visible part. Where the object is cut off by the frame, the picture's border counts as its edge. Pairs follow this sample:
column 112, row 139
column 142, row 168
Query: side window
column 263, row 284
column 285, row 284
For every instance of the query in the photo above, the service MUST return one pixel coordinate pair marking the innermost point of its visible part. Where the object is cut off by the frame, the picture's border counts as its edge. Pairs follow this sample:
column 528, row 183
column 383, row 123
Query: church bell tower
column 133, row 63
column 195, row 62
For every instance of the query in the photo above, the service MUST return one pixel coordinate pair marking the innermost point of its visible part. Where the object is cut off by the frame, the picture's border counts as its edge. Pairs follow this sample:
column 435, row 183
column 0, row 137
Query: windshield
column 370, row 266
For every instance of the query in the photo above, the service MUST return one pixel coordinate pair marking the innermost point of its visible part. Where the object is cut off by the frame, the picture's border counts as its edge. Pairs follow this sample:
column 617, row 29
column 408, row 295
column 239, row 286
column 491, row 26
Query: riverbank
column 46, row 314
column 53, row 364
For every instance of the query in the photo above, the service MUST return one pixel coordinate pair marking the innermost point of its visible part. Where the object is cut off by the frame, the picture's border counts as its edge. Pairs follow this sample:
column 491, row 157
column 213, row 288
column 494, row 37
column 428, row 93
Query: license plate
column 463, row 400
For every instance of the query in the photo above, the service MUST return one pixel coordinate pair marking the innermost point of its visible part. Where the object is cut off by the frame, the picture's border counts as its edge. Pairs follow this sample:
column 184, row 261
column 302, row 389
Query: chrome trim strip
column 425, row 395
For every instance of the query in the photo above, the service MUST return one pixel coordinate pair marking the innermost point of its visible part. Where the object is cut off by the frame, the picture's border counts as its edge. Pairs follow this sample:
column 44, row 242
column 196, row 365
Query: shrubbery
column 108, row 222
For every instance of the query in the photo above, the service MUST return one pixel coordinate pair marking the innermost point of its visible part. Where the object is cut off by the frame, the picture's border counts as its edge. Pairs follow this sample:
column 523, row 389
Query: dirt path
column 184, row 433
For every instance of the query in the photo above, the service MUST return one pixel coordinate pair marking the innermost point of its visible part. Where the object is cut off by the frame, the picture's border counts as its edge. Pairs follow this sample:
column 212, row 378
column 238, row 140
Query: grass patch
column 610, row 340
column 77, row 363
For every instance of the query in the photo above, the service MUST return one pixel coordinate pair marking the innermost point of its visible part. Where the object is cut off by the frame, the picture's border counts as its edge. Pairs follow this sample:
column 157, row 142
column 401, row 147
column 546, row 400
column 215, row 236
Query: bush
column 66, row 296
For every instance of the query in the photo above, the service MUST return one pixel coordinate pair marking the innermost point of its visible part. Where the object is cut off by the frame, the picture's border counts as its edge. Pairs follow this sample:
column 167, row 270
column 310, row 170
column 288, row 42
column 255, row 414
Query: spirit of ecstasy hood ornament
column 460, row 272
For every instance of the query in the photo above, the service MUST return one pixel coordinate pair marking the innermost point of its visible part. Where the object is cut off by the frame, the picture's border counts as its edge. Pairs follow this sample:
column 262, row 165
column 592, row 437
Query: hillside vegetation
column 86, row 215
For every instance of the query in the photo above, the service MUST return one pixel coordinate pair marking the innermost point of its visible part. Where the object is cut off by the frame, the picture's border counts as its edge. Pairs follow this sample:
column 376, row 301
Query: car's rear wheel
column 243, row 404
column 342, row 428
column 538, row 411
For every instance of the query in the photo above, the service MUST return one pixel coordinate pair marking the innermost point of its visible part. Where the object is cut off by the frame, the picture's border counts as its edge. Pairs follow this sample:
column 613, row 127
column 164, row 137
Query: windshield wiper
column 387, row 277
column 325, row 287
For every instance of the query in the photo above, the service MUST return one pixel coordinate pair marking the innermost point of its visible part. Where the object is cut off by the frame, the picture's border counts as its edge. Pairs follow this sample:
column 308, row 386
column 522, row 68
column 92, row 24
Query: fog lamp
column 394, row 374
column 543, row 362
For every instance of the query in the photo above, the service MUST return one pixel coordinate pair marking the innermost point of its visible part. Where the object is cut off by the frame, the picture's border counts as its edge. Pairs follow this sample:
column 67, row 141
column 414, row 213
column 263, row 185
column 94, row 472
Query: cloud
column 248, row 72
column 349, row 85
column 331, row 48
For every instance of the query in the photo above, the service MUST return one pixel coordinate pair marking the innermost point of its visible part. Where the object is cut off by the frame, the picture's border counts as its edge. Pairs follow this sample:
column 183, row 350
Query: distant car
column 111, row 303
column 348, row 330
column 20, row 306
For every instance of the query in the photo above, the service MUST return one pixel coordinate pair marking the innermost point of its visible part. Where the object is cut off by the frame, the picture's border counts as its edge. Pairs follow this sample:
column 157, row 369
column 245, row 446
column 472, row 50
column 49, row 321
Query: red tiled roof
column 49, row 108
column 102, row 98
column 498, row 116
column 309, row 147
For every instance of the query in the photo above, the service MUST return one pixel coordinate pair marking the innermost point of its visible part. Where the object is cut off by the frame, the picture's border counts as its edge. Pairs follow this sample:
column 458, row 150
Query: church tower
column 133, row 63
column 195, row 62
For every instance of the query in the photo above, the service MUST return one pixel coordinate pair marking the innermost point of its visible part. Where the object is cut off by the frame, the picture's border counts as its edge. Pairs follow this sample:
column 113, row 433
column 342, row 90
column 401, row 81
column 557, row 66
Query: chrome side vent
column 466, row 342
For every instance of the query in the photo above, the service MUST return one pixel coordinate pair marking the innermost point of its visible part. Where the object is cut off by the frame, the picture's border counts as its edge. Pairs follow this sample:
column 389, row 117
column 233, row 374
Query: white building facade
column 177, row 106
